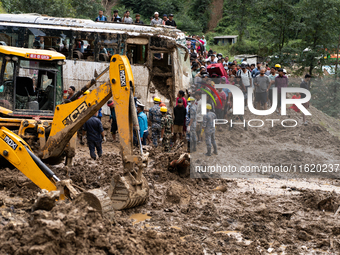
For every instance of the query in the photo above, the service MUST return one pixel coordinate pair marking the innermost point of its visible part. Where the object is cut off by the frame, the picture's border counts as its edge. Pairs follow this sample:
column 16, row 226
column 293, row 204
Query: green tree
column 278, row 22
column 240, row 14
column 58, row 8
column 319, row 30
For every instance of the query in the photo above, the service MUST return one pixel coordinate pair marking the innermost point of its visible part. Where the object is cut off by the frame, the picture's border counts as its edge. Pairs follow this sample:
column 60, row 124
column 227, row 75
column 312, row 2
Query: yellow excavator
column 27, row 118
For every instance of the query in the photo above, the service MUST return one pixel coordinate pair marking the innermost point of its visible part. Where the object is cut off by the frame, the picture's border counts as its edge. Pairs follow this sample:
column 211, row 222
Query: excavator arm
column 128, row 188
column 15, row 150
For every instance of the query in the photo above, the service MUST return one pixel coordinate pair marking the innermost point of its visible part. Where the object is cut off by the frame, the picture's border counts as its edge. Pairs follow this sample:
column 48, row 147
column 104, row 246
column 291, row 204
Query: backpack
column 238, row 74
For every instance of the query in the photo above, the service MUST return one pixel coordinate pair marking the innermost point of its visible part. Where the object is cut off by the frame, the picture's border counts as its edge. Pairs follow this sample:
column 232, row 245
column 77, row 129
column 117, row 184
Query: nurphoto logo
column 238, row 105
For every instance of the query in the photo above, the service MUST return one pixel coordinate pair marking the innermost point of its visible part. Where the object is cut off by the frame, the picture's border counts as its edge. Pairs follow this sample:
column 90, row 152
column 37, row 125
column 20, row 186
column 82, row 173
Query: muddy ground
column 278, row 213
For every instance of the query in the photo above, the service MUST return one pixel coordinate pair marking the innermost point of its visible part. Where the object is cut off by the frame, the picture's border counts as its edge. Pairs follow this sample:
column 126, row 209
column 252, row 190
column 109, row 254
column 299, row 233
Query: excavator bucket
column 130, row 188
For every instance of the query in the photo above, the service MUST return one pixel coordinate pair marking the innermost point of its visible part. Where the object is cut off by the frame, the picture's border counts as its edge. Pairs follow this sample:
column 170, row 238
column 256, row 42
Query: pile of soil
column 67, row 229
column 278, row 214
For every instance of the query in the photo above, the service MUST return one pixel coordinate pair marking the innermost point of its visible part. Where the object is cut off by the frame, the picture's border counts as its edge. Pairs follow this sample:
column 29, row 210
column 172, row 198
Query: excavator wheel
column 126, row 193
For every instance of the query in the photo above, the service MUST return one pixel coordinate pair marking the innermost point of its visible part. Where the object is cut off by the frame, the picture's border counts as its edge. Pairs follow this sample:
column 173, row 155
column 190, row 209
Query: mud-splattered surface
column 276, row 215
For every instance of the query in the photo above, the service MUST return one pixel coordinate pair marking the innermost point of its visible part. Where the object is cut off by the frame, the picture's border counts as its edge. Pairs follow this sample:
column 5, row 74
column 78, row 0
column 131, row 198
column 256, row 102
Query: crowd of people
column 158, row 125
column 167, row 20
column 209, row 68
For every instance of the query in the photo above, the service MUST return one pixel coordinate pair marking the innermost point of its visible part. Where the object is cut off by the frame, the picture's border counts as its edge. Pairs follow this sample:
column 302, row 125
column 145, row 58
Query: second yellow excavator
column 128, row 188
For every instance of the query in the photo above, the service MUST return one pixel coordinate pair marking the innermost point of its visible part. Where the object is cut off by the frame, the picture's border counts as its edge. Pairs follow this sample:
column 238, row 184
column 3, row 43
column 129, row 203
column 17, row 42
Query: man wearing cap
column 95, row 134
column 156, row 20
column 170, row 21
column 165, row 18
column 115, row 17
column 138, row 21
column 71, row 90
column 113, row 119
column 167, row 128
column 155, row 117
column 143, row 123
column 281, row 81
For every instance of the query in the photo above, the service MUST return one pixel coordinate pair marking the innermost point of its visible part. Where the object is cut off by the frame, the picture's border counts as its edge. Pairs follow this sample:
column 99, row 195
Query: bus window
column 12, row 36
column 137, row 54
column 6, row 88
column 108, row 46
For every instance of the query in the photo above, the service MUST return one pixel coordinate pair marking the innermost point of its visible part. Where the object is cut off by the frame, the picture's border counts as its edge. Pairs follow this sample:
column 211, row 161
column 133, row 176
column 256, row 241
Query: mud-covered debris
column 68, row 229
column 177, row 194
column 46, row 200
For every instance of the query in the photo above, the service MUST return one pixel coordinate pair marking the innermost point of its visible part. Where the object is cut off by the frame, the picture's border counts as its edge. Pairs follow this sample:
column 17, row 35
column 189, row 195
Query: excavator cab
column 31, row 82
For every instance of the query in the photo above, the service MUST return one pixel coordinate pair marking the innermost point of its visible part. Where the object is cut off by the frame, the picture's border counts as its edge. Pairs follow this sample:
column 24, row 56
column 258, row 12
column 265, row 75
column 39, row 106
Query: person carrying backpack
column 246, row 79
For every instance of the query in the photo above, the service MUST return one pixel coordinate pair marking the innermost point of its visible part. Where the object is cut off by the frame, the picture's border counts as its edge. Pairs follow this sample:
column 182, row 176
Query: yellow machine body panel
column 32, row 53
column 121, row 90
column 14, row 149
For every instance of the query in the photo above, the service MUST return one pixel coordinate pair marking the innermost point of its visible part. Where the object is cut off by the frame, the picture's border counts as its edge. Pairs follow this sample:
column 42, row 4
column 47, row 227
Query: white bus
column 158, row 55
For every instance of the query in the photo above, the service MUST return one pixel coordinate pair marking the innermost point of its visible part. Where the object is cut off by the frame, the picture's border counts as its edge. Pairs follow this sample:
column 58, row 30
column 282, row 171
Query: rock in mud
column 177, row 194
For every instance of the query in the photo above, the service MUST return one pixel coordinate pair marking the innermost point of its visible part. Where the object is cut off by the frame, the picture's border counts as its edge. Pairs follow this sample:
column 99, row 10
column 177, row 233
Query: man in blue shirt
column 101, row 17
column 95, row 134
column 143, row 123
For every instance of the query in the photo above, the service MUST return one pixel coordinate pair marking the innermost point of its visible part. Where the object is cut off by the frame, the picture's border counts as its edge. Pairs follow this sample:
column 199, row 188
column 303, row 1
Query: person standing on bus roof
column 115, row 17
column 170, row 21
column 138, row 21
column 156, row 20
column 127, row 18
column 165, row 19
column 101, row 16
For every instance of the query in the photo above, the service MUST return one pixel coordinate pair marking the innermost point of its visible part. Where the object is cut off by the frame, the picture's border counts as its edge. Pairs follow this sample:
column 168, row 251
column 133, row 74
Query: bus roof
column 32, row 53
column 86, row 24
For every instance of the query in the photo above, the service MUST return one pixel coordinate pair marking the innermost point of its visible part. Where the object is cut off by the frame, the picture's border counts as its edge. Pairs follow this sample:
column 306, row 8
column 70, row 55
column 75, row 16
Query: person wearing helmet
column 167, row 129
column 281, row 81
column 208, row 128
column 191, row 124
column 277, row 66
column 155, row 117
column 219, row 55
column 272, row 77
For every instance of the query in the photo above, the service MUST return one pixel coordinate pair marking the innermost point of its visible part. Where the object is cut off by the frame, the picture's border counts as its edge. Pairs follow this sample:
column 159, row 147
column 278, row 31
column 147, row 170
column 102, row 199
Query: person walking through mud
column 113, row 119
column 167, row 128
column 179, row 121
column 155, row 117
column 209, row 130
column 95, row 135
